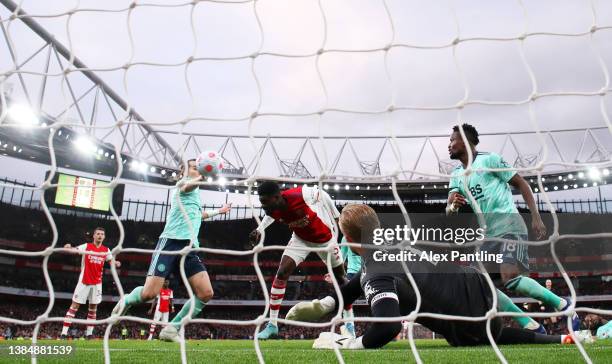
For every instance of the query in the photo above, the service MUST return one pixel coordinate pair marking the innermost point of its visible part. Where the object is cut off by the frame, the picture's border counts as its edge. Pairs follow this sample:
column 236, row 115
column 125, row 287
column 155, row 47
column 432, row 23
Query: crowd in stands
column 31, row 226
column 32, row 278
column 18, row 309
column 29, row 310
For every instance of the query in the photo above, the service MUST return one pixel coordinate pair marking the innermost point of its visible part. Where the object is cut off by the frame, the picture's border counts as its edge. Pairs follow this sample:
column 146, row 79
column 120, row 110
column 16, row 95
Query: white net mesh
column 386, row 23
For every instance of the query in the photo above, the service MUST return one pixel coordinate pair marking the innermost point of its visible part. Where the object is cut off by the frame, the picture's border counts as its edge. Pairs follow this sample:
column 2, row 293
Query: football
column 209, row 164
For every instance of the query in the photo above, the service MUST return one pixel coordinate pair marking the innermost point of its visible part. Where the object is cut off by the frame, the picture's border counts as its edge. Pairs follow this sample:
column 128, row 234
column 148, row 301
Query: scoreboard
column 84, row 193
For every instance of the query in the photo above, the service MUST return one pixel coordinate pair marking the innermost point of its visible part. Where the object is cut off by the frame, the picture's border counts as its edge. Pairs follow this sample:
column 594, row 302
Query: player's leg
column 291, row 258
column 514, row 256
column 150, row 290
column 156, row 317
column 95, row 297
column 337, row 264
column 510, row 335
column 529, row 287
column 512, row 279
column 347, row 313
column 74, row 307
column 202, row 291
column 505, row 304
column 160, row 267
column 289, row 261
column 164, row 318
column 91, row 316
column 199, row 280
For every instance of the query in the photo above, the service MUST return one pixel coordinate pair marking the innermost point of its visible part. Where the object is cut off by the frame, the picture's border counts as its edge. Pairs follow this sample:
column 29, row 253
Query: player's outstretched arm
column 317, row 309
column 255, row 235
column 74, row 249
column 379, row 334
column 190, row 185
column 221, row 211
column 536, row 220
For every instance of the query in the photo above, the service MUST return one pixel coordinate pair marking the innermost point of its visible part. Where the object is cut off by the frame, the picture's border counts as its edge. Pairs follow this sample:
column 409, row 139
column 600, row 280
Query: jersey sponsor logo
column 95, row 259
column 299, row 223
column 383, row 295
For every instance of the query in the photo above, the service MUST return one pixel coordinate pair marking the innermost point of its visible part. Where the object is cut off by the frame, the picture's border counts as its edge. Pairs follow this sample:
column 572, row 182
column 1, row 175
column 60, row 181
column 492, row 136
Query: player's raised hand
column 225, row 208
column 254, row 237
column 327, row 278
column 538, row 227
column 458, row 200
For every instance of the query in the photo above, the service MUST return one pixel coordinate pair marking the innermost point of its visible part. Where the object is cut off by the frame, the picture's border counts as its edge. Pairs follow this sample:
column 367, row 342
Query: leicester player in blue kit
column 491, row 190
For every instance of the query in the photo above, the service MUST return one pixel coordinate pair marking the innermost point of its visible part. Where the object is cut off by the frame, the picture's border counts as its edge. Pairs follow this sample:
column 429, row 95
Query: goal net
column 294, row 85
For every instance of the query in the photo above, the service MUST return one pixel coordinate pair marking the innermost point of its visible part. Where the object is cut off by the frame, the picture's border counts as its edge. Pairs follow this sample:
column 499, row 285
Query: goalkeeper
column 445, row 288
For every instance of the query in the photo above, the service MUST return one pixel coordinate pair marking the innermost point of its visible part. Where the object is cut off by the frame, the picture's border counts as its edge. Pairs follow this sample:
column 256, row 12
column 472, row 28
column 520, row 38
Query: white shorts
column 88, row 292
column 299, row 255
column 161, row 315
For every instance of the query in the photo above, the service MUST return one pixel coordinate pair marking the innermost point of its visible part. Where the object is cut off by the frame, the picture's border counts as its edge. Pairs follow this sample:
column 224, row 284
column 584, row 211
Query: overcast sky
column 490, row 70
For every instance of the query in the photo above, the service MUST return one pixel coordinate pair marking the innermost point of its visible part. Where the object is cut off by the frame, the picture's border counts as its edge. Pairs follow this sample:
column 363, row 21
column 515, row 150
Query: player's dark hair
column 182, row 167
column 100, row 228
column 470, row 133
column 268, row 188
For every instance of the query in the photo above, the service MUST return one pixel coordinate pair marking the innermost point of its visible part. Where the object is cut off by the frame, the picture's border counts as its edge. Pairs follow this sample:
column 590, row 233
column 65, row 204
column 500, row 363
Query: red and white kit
column 310, row 215
column 162, row 311
column 89, row 287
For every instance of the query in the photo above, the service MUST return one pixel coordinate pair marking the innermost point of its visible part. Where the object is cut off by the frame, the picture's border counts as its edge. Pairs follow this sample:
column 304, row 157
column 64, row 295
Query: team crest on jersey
column 161, row 267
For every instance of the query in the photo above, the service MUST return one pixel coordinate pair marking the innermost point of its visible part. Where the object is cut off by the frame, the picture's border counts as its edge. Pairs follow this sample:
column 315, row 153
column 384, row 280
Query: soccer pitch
column 299, row 351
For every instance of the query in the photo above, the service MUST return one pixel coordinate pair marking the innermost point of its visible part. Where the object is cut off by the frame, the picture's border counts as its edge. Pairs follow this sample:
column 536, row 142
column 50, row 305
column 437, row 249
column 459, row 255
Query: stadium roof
column 265, row 113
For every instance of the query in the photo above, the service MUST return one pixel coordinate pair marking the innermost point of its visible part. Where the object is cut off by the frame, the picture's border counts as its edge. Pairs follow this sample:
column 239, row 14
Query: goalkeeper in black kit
column 445, row 288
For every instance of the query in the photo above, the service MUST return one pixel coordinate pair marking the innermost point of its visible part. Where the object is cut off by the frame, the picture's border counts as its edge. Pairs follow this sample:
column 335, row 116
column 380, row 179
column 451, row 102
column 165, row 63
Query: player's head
column 456, row 147
column 548, row 284
column 192, row 169
column 593, row 322
column 166, row 283
column 357, row 223
column 98, row 235
column 270, row 197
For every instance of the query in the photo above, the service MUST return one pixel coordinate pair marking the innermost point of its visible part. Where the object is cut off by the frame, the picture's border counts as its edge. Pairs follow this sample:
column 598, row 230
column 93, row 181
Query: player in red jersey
column 89, row 287
column 163, row 305
column 312, row 216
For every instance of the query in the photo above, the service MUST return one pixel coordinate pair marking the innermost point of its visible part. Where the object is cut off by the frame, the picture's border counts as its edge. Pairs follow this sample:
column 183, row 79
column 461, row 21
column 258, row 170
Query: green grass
column 300, row 352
